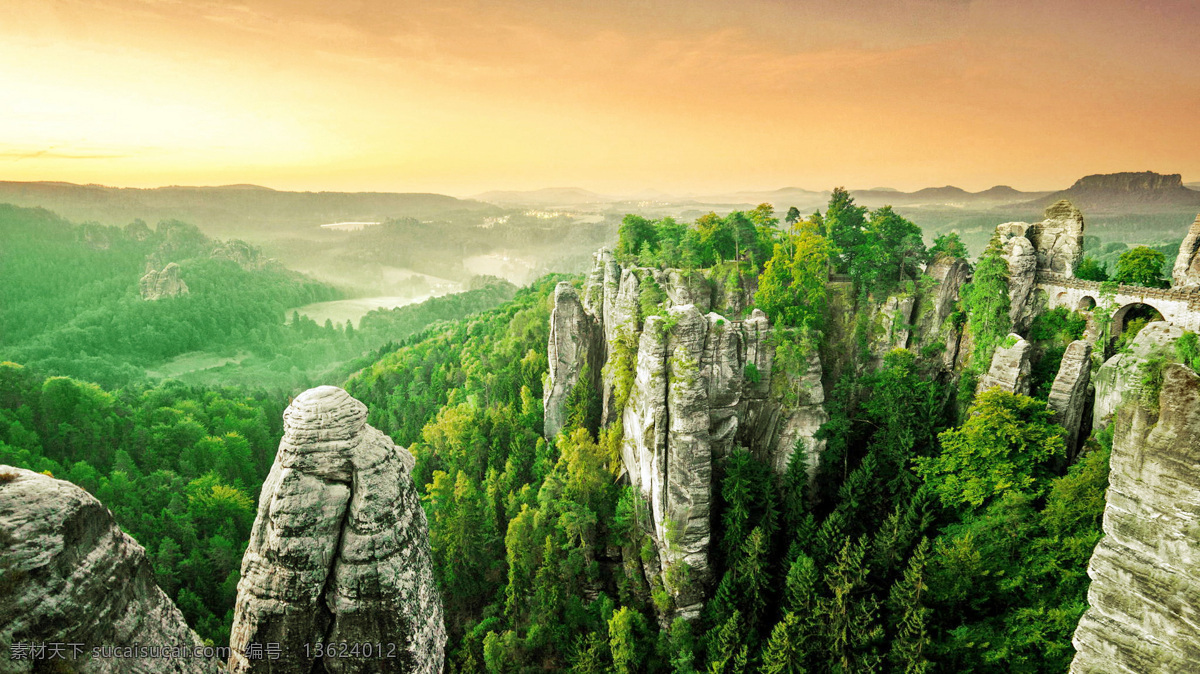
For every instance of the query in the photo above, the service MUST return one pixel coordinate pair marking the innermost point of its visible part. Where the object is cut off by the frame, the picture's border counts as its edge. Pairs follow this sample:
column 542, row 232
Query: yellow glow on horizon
column 463, row 97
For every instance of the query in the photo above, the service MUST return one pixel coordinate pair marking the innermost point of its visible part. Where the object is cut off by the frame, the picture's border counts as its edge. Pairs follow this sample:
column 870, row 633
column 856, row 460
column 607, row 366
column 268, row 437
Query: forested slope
column 937, row 538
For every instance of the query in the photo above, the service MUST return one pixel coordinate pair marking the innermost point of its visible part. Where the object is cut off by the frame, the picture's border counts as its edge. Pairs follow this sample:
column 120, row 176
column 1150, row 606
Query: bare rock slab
column 71, row 575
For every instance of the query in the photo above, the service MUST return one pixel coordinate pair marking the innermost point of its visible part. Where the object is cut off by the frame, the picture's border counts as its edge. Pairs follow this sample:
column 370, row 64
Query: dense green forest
column 947, row 533
column 70, row 305
column 179, row 464
column 936, row 541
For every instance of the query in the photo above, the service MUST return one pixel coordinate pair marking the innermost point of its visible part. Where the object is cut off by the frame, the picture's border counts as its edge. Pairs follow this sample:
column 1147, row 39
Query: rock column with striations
column 70, row 575
column 576, row 347
column 1186, row 272
column 339, row 551
column 1069, row 392
column 1144, row 600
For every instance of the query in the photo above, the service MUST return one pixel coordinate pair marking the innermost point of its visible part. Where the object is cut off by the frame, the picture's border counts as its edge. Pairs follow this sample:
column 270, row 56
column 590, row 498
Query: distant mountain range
column 229, row 210
column 1145, row 191
column 1116, row 192
column 251, row 211
column 945, row 196
column 782, row 198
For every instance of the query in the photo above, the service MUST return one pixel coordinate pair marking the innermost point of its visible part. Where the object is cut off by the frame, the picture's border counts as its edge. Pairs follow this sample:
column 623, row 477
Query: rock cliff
column 1059, row 238
column 687, row 385
column 1186, row 272
column 1010, row 368
column 575, row 348
column 1069, row 398
column 935, row 309
column 1144, row 599
column 69, row 575
column 1053, row 245
column 1121, row 375
column 166, row 282
column 1022, row 259
column 339, row 551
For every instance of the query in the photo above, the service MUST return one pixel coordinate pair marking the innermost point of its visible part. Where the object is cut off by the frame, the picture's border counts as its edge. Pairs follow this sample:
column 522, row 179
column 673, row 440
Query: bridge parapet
column 1125, row 293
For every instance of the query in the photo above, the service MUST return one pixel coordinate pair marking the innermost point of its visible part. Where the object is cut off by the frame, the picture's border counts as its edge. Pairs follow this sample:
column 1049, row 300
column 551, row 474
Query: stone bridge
column 1178, row 306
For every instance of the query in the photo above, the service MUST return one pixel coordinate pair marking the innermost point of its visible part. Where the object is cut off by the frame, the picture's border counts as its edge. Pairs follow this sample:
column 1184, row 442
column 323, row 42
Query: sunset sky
column 461, row 96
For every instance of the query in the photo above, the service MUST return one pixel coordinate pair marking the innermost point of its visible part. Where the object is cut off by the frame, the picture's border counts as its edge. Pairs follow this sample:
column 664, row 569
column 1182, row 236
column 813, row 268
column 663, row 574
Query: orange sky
column 460, row 96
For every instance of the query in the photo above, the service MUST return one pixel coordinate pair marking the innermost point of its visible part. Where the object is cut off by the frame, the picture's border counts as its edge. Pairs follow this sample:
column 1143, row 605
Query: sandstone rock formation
column 1186, row 272
column 1010, row 368
column 1019, row 253
column 70, row 575
column 1144, row 600
column 575, row 347
column 896, row 318
column 1069, row 392
column 1120, row 376
column 339, row 551
column 245, row 255
column 697, row 386
column 1059, row 238
column 1054, row 245
column 166, row 282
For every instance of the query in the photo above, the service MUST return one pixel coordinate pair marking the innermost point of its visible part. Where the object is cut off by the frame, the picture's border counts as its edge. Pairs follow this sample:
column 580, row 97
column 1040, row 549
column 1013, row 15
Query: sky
column 618, row 96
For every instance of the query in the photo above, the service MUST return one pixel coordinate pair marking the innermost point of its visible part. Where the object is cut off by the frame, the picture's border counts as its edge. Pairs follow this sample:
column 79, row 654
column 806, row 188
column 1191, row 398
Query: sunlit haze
column 460, row 97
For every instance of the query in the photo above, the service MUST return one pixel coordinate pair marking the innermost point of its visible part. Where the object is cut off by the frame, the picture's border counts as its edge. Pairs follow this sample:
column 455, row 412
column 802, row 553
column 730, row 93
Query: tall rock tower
column 339, row 553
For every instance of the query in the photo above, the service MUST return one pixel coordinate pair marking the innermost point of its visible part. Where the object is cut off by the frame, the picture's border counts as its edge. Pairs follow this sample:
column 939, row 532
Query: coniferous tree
column 783, row 653
column 911, row 640
column 850, row 615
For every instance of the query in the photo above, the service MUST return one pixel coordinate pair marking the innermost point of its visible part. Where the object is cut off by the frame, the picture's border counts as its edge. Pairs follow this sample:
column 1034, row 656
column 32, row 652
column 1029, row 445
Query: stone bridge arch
column 1179, row 306
column 1122, row 316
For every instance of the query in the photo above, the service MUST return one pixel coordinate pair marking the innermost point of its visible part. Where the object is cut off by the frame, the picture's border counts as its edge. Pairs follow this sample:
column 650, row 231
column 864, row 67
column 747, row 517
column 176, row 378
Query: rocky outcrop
column 69, row 575
column 339, row 551
column 1058, row 238
column 688, row 386
column 1144, row 599
column 682, row 518
column 245, row 255
column 1186, row 272
column 166, row 282
column 1069, row 393
column 1121, row 375
column 1010, row 368
column 936, row 303
column 1054, row 245
column 1022, row 260
column 576, row 348
column 895, row 317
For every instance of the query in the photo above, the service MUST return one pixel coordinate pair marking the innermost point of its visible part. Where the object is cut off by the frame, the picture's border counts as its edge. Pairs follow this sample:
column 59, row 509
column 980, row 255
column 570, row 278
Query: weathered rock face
column 576, row 346
column 1144, row 599
column 699, row 386
column 166, row 282
column 339, row 551
column 1059, row 238
column 70, row 575
column 682, row 523
column 1022, row 261
column 1053, row 245
column 245, row 255
column 935, row 306
column 1069, row 392
column 1010, row 368
column 1121, row 375
column 667, row 448
column 1186, row 271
